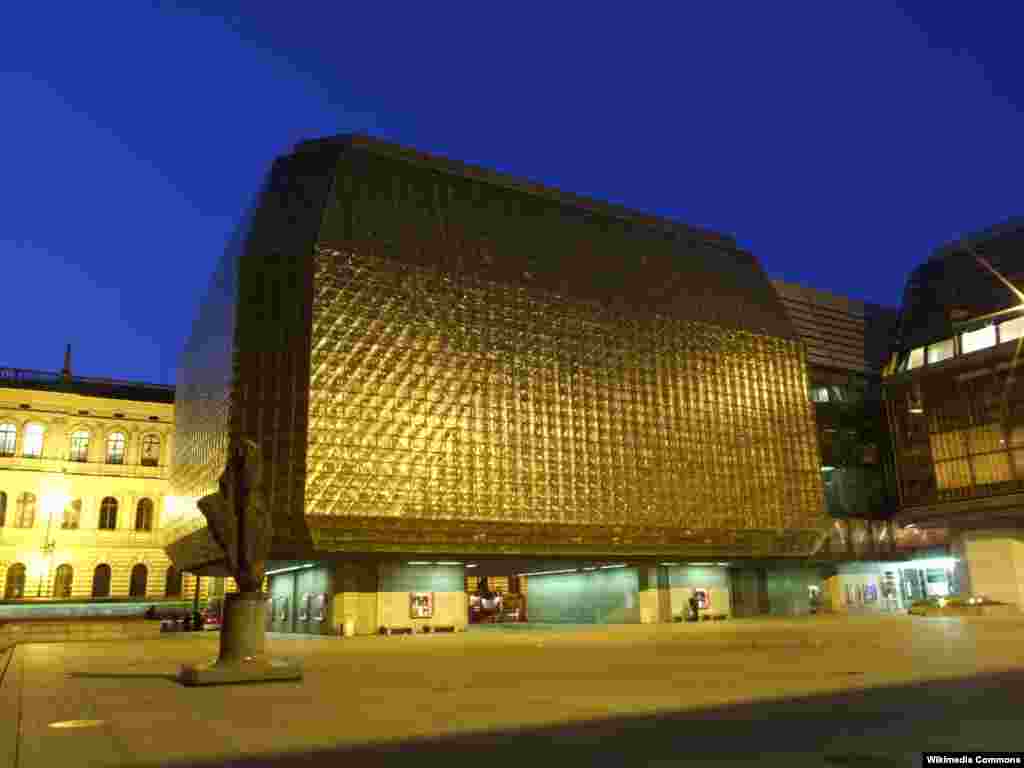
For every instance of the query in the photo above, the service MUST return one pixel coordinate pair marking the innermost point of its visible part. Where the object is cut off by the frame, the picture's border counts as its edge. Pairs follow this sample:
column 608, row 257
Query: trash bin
column 349, row 627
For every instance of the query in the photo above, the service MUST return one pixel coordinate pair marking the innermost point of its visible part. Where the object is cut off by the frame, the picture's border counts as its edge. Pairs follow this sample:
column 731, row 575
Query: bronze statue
column 238, row 516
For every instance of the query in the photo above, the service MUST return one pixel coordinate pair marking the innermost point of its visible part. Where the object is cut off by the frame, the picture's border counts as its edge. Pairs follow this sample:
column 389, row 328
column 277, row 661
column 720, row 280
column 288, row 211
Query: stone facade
column 54, row 493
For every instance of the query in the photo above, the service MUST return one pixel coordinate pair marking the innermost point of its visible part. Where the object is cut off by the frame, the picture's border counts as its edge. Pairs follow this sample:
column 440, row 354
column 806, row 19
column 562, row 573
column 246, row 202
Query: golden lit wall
column 441, row 398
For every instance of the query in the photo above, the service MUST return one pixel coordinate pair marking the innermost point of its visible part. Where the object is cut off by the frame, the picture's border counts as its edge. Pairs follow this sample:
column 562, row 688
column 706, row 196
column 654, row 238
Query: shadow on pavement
column 124, row 676
column 883, row 726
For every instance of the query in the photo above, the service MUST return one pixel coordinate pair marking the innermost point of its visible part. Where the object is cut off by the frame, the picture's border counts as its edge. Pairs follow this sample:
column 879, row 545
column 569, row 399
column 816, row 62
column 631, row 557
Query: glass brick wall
column 449, row 397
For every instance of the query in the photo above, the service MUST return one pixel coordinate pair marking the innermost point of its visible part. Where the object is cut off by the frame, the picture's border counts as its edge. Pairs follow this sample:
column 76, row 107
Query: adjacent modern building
column 955, row 402
column 83, row 482
column 869, row 564
column 446, row 366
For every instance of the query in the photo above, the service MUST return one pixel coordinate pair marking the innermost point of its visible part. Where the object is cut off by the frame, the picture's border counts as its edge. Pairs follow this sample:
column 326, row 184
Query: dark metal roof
column 712, row 279
column 466, row 170
column 23, row 378
column 952, row 286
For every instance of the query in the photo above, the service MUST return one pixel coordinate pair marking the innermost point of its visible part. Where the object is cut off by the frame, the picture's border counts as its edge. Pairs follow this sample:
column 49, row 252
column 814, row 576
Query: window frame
column 111, row 510
column 8, row 428
column 108, row 575
column 29, row 431
column 145, row 507
column 111, row 456
column 23, row 502
column 132, row 583
column 73, row 521
column 150, row 439
column 65, row 592
column 21, row 570
column 79, row 452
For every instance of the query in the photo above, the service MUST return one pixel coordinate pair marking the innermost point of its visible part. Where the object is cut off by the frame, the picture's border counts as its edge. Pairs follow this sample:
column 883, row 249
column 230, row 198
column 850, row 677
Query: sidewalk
column 376, row 689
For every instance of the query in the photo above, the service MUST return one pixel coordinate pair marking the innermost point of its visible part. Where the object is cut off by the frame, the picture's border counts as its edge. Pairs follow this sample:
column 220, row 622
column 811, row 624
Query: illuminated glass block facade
column 440, row 359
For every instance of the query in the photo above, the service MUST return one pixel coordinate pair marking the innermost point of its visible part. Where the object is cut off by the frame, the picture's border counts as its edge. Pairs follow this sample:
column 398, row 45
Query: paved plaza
column 815, row 691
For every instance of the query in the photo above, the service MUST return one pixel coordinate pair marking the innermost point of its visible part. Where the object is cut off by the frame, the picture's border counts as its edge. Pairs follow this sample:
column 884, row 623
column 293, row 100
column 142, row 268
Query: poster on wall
column 320, row 607
column 304, row 606
column 421, row 605
column 703, row 598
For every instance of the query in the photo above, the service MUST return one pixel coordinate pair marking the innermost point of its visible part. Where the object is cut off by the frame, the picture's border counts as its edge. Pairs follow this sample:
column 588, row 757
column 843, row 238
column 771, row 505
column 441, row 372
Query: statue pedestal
column 242, row 642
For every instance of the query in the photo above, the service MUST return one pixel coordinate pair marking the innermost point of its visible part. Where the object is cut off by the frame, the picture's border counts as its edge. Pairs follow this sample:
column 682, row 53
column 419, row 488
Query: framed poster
column 319, row 607
column 282, row 609
column 703, row 598
column 421, row 605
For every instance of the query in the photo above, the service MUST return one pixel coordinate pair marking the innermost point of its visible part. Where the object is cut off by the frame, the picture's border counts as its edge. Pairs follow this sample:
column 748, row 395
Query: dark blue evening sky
column 840, row 146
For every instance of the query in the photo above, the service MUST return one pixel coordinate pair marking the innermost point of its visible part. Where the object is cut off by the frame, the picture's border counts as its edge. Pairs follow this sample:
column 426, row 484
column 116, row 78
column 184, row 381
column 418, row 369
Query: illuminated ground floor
column 371, row 595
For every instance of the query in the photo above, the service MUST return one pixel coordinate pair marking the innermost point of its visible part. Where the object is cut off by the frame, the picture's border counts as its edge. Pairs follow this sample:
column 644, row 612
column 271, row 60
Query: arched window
column 25, row 510
column 15, row 582
column 150, row 451
column 108, row 514
column 8, row 437
column 101, row 581
column 137, row 586
column 72, row 515
column 79, row 445
column 3, row 509
column 62, row 581
column 32, row 444
column 172, row 583
column 144, row 515
column 115, row 448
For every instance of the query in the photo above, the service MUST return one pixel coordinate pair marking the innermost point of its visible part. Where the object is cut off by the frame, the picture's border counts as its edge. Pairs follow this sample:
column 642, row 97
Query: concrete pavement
column 824, row 690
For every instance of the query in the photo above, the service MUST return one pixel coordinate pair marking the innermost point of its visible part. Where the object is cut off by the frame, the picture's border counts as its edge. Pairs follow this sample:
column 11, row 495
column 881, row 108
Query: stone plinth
column 242, row 641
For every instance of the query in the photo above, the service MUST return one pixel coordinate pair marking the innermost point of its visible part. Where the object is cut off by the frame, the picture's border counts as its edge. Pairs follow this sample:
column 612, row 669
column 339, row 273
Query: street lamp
column 53, row 503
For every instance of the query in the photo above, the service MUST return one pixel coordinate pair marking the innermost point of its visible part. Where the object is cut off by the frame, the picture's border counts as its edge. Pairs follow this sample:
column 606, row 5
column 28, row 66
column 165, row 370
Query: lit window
column 72, row 515
column 15, row 587
column 108, row 514
column 115, row 448
column 63, row 580
column 144, row 515
column 8, row 435
column 80, row 445
column 916, row 358
column 941, row 350
column 1008, row 331
column 819, row 394
column 34, row 440
column 25, row 512
column 983, row 338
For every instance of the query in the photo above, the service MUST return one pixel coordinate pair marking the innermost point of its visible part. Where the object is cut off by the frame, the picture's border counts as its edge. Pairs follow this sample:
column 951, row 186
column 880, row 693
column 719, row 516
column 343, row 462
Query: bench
column 393, row 630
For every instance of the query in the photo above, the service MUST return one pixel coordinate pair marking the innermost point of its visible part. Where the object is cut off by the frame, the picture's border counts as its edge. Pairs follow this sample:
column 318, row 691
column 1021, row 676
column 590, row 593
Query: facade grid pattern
column 443, row 396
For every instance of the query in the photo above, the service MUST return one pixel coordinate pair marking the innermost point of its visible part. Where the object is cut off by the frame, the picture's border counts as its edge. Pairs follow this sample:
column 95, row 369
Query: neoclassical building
column 83, row 487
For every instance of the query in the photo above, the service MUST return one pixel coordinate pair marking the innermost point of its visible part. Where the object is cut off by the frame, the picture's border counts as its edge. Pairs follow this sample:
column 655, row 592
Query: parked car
column 950, row 605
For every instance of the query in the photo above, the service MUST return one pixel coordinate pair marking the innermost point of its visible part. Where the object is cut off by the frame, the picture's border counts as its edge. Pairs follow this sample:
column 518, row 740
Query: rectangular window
column 916, row 358
column 941, row 350
column 1011, row 329
column 983, row 338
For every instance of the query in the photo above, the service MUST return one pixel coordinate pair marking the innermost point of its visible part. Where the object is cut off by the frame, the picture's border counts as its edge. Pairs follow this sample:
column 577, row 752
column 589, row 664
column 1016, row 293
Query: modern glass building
column 955, row 401
column 439, row 362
